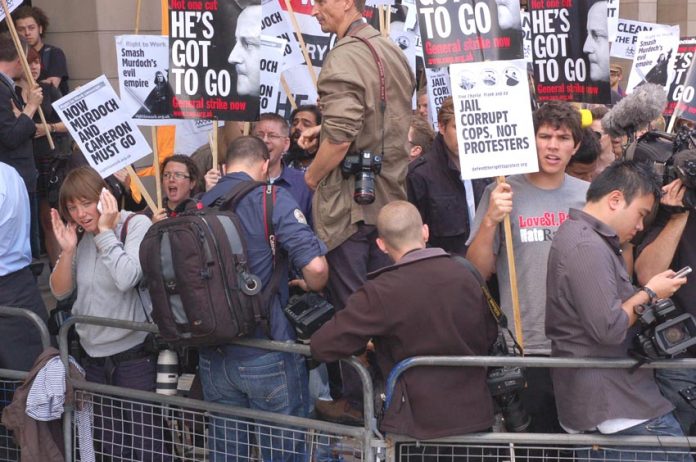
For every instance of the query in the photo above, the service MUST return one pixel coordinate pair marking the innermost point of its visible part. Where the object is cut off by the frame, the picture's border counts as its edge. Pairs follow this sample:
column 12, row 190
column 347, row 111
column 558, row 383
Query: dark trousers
column 350, row 262
column 20, row 342
column 128, row 430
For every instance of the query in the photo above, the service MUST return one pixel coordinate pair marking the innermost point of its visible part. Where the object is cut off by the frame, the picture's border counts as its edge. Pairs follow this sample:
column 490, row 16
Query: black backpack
column 196, row 269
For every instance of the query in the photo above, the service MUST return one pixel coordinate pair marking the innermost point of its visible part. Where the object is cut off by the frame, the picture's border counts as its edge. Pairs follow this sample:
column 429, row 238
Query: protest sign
column 302, row 88
column 462, row 32
column 654, row 61
column 143, row 62
column 493, row 114
column 624, row 45
column 571, row 50
column 275, row 22
column 527, row 40
column 214, row 59
column 686, row 106
column 272, row 49
column 11, row 5
column 682, row 64
column 101, row 127
column 612, row 18
column 438, row 85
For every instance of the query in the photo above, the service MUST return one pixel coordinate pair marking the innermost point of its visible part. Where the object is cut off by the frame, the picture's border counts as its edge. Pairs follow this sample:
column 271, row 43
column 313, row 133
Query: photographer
column 591, row 306
column 404, row 317
column 669, row 244
column 364, row 98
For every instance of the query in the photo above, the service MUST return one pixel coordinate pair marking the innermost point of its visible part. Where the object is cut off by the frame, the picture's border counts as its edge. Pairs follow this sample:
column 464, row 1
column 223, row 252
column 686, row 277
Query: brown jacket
column 39, row 441
column 427, row 304
column 348, row 89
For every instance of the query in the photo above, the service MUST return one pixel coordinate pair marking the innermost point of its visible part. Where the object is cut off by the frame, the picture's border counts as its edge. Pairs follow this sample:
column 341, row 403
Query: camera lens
column 364, row 188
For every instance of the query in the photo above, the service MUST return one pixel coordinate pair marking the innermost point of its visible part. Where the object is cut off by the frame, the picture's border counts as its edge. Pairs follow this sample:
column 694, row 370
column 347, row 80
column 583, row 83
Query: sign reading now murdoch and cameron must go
column 463, row 31
column 101, row 127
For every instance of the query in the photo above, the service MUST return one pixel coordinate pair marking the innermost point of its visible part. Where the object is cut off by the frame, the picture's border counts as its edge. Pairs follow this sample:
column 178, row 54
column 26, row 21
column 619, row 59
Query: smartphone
column 99, row 203
column 683, row 272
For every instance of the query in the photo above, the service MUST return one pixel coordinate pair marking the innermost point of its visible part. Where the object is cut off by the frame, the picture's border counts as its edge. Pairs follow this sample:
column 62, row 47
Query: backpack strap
column 139, row 287
column 230, row 200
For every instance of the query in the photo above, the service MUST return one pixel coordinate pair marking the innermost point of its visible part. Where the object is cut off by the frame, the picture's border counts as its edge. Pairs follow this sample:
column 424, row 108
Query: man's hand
column 665, row 284
column 309, row 139
column 211, row 178
column 500, row 203
column 35, row 96
column 673, row 194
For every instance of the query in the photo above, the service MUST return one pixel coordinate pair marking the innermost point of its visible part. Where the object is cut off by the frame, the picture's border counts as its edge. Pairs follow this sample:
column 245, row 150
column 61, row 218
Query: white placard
column 527, row 40
column 102, row 128
column 143, row 62
column 495, row 132
column 276, row 22
column 612, row 18
column 656, row 51
column 272, row 49
column 11, row 5
column 438, row 84
column 624, row 45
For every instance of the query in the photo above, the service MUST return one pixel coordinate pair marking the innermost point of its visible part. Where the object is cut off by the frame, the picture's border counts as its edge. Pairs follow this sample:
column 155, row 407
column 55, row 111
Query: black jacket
column 16, row 136
column 435, row 187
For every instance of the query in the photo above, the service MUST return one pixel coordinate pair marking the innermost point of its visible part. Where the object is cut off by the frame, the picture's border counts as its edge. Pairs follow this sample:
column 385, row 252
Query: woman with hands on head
column 103, row 265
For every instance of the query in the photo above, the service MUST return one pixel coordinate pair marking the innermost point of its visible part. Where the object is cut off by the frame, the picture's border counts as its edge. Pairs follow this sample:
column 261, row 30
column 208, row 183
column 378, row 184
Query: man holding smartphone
column 592, row 308
column 669, row 244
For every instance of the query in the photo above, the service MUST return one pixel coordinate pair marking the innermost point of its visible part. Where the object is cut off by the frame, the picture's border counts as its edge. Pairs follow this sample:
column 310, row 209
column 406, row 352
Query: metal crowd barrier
column 11, row 379
column 177, row 428
column 498, row 447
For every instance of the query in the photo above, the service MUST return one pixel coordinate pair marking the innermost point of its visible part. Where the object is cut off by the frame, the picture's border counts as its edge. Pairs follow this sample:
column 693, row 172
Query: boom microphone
column 636, row 110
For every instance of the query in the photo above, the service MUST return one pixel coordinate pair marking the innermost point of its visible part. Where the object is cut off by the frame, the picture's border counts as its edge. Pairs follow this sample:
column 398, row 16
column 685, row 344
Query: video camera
column 665, row 331
column 364, row 166
column 504, row 384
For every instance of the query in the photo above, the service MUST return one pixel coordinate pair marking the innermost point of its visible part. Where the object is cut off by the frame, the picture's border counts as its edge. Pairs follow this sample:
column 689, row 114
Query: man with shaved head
column 426, row 303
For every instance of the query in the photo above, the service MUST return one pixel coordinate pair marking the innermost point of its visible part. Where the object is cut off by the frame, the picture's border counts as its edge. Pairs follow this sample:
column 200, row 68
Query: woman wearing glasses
column 181, row 180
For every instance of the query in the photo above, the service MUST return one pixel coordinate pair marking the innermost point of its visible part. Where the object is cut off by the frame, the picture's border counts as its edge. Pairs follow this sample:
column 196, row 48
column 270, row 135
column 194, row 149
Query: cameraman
column 404, row 316
column 356, row 121
column 590, row 308
column 669, row 243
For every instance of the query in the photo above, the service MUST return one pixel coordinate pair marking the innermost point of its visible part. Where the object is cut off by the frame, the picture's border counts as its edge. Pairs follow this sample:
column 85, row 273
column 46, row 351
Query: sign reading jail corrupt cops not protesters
column 493, row 115
column 214, row 59
column 103, row 130
column 455, row 31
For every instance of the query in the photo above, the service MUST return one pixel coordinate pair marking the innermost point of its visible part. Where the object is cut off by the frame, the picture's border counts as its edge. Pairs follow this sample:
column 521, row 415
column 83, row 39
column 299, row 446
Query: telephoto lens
column 167, row 372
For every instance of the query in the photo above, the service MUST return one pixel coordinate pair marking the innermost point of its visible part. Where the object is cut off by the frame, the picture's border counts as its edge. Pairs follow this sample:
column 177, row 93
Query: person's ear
column 616, row 200
column 382, row 245
column 426, row 233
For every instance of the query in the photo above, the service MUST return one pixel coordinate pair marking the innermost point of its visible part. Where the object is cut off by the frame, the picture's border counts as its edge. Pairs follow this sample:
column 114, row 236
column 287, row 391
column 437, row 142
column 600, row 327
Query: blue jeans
column 273, row 382
column 671, row 381
column 665, row 425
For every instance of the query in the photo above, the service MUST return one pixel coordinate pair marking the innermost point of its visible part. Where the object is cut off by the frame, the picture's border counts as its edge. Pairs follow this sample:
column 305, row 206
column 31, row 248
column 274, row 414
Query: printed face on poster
column 462, row 32
column 102, row 128
column 679, row 89
column 654, row 62
column 215, row 59
column 570, row 43
column 143, row 62
column 493, row 114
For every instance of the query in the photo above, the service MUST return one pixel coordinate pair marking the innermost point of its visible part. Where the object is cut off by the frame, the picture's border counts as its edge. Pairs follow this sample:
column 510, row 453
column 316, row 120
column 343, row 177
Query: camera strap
column 380, row 70
column 493, row 306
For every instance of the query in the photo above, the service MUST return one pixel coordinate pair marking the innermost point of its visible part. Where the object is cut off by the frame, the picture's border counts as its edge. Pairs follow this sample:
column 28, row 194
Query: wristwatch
column 651, row 293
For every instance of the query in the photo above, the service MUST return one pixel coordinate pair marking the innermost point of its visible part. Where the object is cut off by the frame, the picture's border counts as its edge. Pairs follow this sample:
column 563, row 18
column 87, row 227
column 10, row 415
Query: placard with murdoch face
column 100, row 126
column 215, row 59
column 570, row 44
column 456, row 31
column 654, row 61
column 493, row 114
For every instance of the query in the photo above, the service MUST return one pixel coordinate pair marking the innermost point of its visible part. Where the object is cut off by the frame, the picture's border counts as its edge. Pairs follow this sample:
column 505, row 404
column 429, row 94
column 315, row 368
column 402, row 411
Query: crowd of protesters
column 391, row 268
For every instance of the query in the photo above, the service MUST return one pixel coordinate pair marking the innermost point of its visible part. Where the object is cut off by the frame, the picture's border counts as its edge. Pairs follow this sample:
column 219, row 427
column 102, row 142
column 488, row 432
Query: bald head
column 400, row 226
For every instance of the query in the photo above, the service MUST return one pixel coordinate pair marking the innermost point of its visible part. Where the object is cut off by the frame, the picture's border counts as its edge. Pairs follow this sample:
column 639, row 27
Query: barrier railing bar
column 548, row 439
column 13, row 375
column 526, row 361
column 33, row 317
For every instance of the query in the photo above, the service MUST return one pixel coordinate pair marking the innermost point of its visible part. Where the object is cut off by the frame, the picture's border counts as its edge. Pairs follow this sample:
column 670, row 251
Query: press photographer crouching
column 592, row 309
column 426, row 303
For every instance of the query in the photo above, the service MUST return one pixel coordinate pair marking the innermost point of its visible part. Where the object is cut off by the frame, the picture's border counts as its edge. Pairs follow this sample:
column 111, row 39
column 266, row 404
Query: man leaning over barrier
column 427, row 303
column 591, row 307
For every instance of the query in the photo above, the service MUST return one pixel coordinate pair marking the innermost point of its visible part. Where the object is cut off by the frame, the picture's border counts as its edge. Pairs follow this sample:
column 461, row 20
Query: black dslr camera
column 364, row 166
column 665, row 331
column 504, row 383
column 307, row 313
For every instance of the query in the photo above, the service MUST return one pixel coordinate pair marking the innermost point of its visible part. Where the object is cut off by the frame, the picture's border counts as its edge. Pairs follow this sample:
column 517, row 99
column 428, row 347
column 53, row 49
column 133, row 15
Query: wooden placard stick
column 138, row 7
column 303, row 46
column 136, row 179
column 286, row 89
column 25, row 67
column 214, row 145
column 507, row 228
column 156, row 166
